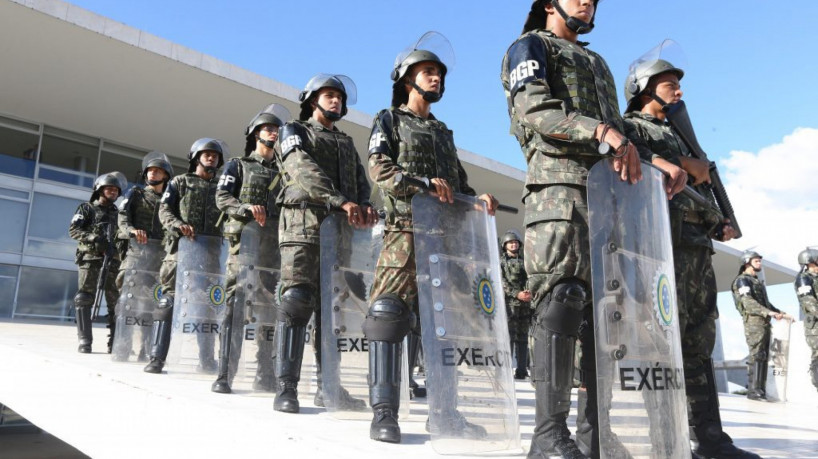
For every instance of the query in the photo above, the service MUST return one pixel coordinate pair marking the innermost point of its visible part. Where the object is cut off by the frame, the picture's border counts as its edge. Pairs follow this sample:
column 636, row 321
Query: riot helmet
column 511, row 235
column 748, row 256
column 204, row 144
column 156, row 159
column 274, row 114
column 536, row 17
column 431, row 47
column 656, row 61
column 807, row 256
column 342, row 83
column 114, row 178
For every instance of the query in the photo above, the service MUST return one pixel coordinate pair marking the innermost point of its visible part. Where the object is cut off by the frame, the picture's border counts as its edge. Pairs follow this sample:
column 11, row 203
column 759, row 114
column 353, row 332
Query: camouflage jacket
column 140, row 211
column 402, row 142
column 320, row 166
column 514, row 279
column 691, row 225
column 805, row 285
column 751, row 300
column 246, row 182
column 189, row 199
column 89, row 227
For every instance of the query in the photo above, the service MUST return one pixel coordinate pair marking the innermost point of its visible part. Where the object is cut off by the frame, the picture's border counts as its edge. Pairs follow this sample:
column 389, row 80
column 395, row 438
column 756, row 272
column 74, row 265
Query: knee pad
column 561, row 310
column 82, row 299
column 295, row 306
column 389, row 319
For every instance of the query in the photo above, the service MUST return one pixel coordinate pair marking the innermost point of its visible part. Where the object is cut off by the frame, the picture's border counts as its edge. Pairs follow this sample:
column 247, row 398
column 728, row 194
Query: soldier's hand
column 675, row 176
column 370, row 216
column 259, row 213
column 728, row 232
column 442, row 190
column 777, row 315
column 626, row 158
column 187, row 230
column 491, row 202
column 140, row 235
column 525, row 295
column 697, row 168
column 355, row 215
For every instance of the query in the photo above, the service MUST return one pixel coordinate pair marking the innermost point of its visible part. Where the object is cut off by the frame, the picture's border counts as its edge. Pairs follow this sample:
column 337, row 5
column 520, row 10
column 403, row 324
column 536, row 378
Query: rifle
column 426, row 185
column 680, row 122
column 103, row 272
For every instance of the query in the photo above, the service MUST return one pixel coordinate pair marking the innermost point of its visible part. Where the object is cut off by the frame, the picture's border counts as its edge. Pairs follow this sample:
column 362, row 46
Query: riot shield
column 348, row 259
column 778, row 362
column 254, row 316
column 140, row 292
column 199, row 307
column 464, row 328
column 638, row 348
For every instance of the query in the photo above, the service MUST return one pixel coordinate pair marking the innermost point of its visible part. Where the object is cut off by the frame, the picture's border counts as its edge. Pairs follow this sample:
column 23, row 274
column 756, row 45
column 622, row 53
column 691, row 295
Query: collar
column 405, row 109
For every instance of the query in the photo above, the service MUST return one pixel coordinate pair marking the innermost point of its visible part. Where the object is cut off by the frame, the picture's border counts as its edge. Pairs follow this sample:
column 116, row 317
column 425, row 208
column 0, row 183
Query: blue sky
column 749, row 82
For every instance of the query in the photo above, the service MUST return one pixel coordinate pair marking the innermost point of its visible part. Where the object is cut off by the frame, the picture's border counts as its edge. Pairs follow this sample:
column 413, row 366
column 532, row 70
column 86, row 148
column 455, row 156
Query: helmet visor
column 342, row 82
column 668, row 50
column 433, row 42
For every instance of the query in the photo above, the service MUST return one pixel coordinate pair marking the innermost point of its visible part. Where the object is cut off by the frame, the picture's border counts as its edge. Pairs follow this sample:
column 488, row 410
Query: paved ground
column 106, row 409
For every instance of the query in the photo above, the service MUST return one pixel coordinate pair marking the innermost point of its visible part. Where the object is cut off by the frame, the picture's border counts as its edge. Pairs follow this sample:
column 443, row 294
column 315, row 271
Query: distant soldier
column 188, row 208
column 139, row 214
column 247, row 192
column 750, row 296
column 322, row 171
column 518, row 300
column 805, row 284
column 94, row 227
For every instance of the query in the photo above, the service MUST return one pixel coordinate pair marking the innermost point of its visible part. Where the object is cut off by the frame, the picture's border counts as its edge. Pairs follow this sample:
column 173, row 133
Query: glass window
column 18, row 152
column 48, row 230
column 128, row 165
column 8, row 281
column 68, row 158
column 14, row 223
column 47, row 293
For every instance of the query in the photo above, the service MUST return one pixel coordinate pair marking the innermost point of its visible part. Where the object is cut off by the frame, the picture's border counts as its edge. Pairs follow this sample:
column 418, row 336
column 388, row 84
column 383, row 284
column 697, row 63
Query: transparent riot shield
column 464, row 328
column 199, row 306
column 348, row 259
column 258, row 266
column 778, row 362
column 141, row 290
column 641, row 394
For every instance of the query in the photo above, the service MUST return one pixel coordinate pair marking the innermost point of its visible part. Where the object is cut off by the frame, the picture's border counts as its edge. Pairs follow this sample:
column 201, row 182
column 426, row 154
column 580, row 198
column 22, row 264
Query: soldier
column 93, row 226
column 562, row 103
column 322, row 171
column 651, row 87
column 247, row 191
column 188, row 208
column 518, row 300
column 750, row 296
column 401, row 143
column 805, row 285
column 139, row 215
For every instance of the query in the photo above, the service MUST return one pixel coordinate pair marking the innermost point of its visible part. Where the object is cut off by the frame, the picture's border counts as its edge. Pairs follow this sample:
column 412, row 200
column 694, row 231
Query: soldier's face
column 756, row 264
column 209, row 158
column 427, row 76
column 580, row 9
column 111, row 193
column 512, row 246
column 268, row 132
column 667, row 87
column 156, row 174
column 330, row 99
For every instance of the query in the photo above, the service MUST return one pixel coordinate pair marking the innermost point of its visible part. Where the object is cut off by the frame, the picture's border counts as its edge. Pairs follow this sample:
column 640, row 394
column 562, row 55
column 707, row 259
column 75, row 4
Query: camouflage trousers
column 519, row 322
column 88, row 274
column 301, row 267
column 757, row 333
column 395, row 272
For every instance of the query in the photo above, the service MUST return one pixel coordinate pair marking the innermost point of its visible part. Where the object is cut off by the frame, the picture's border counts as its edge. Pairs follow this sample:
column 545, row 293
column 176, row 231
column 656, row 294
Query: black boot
column 757, row 379
column 160, row 347
column 384, row 390
column 222, row 383
column 289, row 342
column 207, row 361
column 265, row 379
column 84, row 330
column 413, row 352
column 705, row 421
column 584, row 428
column 522, row 360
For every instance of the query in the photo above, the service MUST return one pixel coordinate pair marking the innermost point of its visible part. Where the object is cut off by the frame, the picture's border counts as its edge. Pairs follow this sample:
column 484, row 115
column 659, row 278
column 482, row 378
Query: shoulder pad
column 133, row 192
column 803, row 285
column 526, row 62
column 172, row 190
column 293, row 135
column 743, row 286
column 230, row 175
column 82, row 211
column 381, row 136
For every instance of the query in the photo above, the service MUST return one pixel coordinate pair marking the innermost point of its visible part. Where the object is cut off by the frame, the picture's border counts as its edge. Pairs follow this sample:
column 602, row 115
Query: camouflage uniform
column 805, row 285
column 519, row 312
column 752, row 303
column 558, row 92
column 89, row 228
column 245, row 182
column 140, row 211
column 691, row 231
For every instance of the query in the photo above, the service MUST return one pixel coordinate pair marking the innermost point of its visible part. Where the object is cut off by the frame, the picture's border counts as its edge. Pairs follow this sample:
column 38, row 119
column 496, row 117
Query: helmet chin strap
column 332, row 116
column 666, row 107
column 209, row 169
column 428, row 96
column 154, row 182
column 268, row 143
column 577, row 25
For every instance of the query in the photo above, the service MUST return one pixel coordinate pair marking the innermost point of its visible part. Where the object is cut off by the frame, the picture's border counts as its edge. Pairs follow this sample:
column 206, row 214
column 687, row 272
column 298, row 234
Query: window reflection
column 48, row 230
column 8, row 281
column 68, row 161
column 14, row 225
column 131, row 167
column 47, row 293
column 18, row 152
